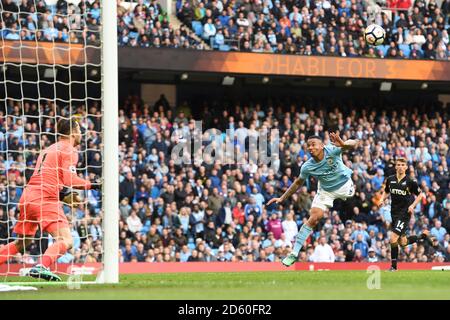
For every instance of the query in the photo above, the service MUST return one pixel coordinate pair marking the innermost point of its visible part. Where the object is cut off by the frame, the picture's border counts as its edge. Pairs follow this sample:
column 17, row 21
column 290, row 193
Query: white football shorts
column 324, row 199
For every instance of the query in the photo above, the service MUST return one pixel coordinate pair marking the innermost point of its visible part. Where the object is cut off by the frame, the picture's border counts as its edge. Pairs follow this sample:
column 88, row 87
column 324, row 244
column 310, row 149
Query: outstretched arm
column 415, row 203
column 289, row 192
column 385, row 193
column 345, row 145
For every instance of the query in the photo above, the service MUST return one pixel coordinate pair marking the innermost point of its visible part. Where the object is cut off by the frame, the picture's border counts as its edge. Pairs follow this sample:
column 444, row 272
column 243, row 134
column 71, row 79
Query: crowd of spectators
column 215, row 212
column 416, row 30
column 144, row 24
column 51, row 21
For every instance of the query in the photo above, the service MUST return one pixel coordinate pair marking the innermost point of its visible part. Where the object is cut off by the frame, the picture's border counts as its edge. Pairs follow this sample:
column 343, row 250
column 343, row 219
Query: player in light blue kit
column 335, row 182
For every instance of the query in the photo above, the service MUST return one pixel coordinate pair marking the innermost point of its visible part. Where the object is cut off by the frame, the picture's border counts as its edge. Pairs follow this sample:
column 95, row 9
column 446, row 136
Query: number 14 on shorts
column 400, row 225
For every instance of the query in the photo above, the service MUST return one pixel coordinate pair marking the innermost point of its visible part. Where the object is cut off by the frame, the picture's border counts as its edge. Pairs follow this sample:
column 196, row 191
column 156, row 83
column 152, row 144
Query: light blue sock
column 301, row 237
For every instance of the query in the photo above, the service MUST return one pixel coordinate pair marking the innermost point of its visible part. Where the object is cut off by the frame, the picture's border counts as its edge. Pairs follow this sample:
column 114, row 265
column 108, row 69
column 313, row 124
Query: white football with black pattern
column 374, row 35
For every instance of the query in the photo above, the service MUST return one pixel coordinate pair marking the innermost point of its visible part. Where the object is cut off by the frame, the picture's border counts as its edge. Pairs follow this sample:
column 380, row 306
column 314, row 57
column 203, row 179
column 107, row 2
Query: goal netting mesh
column 50, row 68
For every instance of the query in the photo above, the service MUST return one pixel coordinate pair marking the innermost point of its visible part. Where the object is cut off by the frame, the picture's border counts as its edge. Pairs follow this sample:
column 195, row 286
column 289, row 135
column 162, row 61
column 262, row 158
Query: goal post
column 111, row 141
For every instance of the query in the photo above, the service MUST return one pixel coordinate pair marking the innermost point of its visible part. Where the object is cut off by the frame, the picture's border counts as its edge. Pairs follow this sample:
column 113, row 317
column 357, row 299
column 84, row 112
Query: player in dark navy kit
column 402, row 190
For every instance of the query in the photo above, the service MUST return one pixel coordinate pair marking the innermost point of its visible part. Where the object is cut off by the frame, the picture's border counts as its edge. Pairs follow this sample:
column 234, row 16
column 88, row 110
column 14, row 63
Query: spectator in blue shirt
column 343, row 7
column 252, row 208
column 361, row 244
column 142, row 194
column 251, row 184
column 141, row 254
column 285, row 183
column 185, row 254
column 259, row 199
column 13, row 34
column 26, row 35
column 209, row 30
column 433, row 209
column 378, row 179
column 215, row 180
column 95, row 11
column 269, row 241
column 30, row 24
column 219, row 39
column 51, row 32
column 96, row 230
column 360, row 231
column 223, row 18
column 438, row 231
column 128, row 251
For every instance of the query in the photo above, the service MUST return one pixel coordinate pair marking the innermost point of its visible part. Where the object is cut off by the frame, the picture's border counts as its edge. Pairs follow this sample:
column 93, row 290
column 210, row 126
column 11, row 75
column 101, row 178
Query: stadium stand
column 415, row 30
column 218, row 213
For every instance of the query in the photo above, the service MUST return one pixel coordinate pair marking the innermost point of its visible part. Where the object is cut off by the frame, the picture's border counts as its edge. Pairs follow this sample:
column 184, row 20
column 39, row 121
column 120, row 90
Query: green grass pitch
column 286, row 285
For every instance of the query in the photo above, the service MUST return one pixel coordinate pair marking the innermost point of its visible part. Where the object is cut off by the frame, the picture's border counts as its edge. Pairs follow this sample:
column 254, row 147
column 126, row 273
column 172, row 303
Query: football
column 374, row 35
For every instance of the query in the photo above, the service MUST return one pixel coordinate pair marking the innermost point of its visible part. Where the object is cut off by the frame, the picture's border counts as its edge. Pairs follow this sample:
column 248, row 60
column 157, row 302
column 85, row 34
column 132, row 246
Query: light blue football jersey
column 331, row 172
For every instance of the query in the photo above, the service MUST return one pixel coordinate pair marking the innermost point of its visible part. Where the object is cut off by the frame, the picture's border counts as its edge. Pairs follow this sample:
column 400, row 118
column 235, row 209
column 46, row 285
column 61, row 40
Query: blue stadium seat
column 224, row 47
column 384, row 49
column 212, row 42
column 52, row 8
column 197, row 27
column 397, row 17
column 406, row 49
column 191, row 246
column 133, row 34
column 378, row 48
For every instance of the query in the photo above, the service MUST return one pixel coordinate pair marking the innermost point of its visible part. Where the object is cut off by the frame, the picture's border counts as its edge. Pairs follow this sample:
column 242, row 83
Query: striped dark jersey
column 401, row 193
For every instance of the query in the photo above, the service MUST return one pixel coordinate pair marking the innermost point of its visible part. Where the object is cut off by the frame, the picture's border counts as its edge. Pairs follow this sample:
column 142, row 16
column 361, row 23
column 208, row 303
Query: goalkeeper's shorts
column 47, row 216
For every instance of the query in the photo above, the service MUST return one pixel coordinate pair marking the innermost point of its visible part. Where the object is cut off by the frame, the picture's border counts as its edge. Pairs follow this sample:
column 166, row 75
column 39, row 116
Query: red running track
column 177, row 267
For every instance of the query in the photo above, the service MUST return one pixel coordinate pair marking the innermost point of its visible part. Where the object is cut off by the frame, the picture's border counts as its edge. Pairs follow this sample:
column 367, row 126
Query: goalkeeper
column 41, row 202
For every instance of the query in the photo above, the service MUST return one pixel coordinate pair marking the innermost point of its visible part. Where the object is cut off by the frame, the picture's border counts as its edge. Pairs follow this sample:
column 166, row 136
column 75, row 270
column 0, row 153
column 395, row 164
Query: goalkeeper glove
column 63, row 193
column 70, row 198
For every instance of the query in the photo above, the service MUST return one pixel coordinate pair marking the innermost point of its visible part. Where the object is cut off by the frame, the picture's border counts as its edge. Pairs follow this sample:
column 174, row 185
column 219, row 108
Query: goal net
column 51, row 62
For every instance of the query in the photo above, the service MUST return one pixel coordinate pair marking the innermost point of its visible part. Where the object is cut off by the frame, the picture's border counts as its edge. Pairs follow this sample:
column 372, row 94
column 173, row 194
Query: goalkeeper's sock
column 394, row 255
column 302, row 235
column 7, row 252
column 52, row 253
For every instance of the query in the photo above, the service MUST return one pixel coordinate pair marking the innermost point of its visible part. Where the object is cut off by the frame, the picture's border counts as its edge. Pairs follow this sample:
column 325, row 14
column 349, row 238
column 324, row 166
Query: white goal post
column 111, row 141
